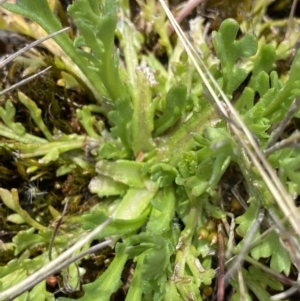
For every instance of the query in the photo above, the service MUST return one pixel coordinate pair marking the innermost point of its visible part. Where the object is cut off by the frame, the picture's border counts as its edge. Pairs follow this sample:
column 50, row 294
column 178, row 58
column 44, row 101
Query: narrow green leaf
column 134, row 203
column 135, row 289
column 141, row 125
column 229, row 50
column 176, row 99
column 8, row 115
column 117, row 227
column 163, row 211
column 121, row 117
column 123, row 171
column 35, row 113
column 106, row 186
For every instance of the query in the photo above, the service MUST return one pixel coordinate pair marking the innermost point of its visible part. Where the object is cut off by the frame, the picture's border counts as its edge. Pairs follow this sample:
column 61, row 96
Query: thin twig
column 289, row 292
column 33, row 44
column 293, row 140
column 245, row 247
column 288, row 241
column 230, row 233
column 289, row 26
column 56, row 230
column 241, row 281
column 238, row 196
column 269, row 271
column 276, row 134
column 186, row 10
column 24, row 81
column 221, row 272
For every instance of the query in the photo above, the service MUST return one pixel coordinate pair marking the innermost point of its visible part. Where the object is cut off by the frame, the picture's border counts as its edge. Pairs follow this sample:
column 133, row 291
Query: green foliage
column 121, row 116
column 272, row 248
column 11, row 200
column 25, row 239
column 141, row 125
column 118, row 227
column 275, row 96
column 126, row 172
column 246, row 220
column 174, row 109
column 229, row 50
column 87, row 120
column 36, row 114
column 97, row 33
column 18, row 269
column 8, row 115
column 257, row 281
column 286, row 93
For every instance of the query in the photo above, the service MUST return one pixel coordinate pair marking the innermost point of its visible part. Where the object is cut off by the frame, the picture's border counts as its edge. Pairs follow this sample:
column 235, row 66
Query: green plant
column 157, row 163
